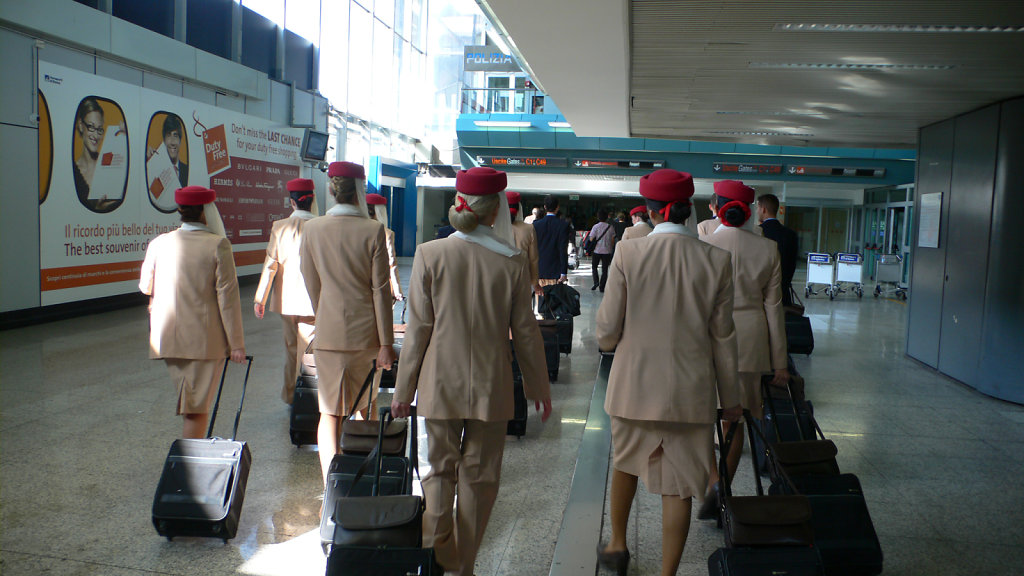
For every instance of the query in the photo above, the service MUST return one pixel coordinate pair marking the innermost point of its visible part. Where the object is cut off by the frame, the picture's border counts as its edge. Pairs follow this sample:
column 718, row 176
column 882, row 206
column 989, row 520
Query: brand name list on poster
column 264, row 141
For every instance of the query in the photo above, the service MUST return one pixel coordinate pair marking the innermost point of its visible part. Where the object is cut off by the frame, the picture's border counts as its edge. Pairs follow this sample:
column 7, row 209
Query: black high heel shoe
column 617, row 561
column 709, row 509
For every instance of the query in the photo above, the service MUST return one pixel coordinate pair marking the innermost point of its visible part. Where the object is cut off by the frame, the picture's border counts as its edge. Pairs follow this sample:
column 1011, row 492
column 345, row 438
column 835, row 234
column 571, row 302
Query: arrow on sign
column 717, row 167
column 578, row 163
column 792, row 170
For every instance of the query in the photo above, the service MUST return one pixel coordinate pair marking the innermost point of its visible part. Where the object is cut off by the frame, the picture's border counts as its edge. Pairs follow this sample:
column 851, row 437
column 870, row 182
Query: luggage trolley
column 819, row 271
column 889, row 270
column 848, row 271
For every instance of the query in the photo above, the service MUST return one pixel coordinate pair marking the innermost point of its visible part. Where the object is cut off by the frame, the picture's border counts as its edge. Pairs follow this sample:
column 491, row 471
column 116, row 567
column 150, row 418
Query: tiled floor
column 86, row 420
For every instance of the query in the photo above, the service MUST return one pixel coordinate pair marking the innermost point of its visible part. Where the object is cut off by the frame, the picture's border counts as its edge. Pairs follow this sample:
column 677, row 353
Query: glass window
column 304, row 17
column 272, row 10
column 360, row 62
column 383, row 88
column 402, row 18
column 384, row 10
column 418, row 24
column 334, row 53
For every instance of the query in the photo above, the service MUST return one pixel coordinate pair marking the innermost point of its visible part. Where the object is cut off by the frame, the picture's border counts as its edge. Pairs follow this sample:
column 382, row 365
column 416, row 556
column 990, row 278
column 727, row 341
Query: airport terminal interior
column 87, row 421
column 891, row 132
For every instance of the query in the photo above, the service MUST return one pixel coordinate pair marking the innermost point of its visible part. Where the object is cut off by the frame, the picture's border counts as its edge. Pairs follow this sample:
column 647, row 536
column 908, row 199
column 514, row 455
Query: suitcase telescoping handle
column 378, row 465
column 241, row 401
column 726, row 443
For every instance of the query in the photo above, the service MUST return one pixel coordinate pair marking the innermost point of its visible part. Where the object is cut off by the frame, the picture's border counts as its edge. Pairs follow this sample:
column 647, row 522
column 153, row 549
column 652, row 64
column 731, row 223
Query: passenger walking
column 604, row 235
column 195, row 315
column 786, row 239
column 757, row 311
column 467, row 293
column 281, row 282
column 552, row 240
column 641, row 224
column 705, row 227
column 345, row 268
column 675, row 357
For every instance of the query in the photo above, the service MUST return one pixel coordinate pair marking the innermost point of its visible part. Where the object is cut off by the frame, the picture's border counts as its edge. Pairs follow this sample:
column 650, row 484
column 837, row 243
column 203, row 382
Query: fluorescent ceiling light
column 768, row 113
column 559, row 125
column 846, row 66
column 743, row 133
column 502, row 123
column 912, row 28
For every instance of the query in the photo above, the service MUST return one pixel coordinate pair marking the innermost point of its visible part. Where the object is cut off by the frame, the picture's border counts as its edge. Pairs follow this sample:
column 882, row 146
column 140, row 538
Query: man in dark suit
column 552, row 241
column 767, row 214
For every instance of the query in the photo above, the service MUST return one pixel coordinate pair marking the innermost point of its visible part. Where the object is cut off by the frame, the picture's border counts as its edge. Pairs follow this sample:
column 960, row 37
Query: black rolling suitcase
column 202, row 487
column 784, row 421
column 788, row 561
column 517, row 425
column 549, row 332
column 565, row 328
column 845, row 535
column 348, row 474
column 814, row 456
column 765, row 535
column 305, row 411
column 376, row 528
column 799, row 337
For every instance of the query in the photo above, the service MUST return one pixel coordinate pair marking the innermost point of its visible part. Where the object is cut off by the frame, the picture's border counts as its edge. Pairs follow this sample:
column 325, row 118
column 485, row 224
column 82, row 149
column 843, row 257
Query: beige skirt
column 340, row 375
column 196, row 382
column 672, row 459
column 750, row 393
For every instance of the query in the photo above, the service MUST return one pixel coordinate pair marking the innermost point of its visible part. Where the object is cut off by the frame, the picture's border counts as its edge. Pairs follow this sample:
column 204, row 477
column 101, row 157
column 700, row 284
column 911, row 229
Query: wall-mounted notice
column 931, row 217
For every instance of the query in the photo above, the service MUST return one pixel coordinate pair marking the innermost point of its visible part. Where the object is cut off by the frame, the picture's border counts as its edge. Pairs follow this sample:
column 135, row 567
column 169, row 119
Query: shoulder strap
column 366, row 386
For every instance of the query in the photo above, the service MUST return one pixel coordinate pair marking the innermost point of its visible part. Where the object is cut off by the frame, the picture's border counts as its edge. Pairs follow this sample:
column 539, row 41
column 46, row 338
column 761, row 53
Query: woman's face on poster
column 91, row 128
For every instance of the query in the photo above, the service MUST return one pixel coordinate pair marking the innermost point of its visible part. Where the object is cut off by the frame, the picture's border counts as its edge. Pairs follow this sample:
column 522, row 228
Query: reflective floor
column 86, row 420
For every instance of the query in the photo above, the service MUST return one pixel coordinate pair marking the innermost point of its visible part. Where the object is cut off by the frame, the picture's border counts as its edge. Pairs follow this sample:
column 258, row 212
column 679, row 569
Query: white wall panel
column 161, row 83
column 280, row 102
column 16, row 70
column 217, row 71
column 231, row 102
column 199, row 94
column 154, row 50
column 67, row 57
column 118, row 71
column 65, row 19
column 19, row 218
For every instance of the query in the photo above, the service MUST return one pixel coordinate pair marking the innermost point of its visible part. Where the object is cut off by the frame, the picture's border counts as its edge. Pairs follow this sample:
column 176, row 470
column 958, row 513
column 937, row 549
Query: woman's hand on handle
column 238, row 355
column 385, row 358
column 546, row 411
column 732, row 414
column 400, row 409
column 258, row 309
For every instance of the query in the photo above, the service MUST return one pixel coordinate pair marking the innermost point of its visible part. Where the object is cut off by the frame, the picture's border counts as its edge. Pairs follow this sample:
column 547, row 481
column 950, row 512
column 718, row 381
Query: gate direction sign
column 521, row 162
column 729, row 168
column 794, row 170
column 629, row 164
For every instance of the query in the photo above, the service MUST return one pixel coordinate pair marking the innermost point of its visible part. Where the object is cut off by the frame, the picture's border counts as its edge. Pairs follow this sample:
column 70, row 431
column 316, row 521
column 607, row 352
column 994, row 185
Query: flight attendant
column 641, row 224
column 378, row 207
column 467, row 293
column 675, row 357
column 281, row 282
column 526, row 239
column 195, row 316
column 757, row 310
column 344, row 264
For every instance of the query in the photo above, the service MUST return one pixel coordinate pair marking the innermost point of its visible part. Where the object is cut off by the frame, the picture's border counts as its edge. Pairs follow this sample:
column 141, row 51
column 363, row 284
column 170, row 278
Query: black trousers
column 604, row 260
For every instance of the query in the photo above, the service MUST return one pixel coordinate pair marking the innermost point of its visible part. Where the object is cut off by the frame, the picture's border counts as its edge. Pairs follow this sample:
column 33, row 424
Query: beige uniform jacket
column 281, row 281
column 526, row 241
column 195, row 312
column 396, row 284
column 757, row 306
column 345, row 266
column 638, row 230
column 707, row 227
column 667, row 314
column 463, row 301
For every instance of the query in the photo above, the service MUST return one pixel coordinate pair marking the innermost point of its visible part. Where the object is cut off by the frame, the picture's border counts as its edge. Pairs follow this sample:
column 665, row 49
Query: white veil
column 503, row 221
column 361, row 197
column 380, row 211
column 213, row 220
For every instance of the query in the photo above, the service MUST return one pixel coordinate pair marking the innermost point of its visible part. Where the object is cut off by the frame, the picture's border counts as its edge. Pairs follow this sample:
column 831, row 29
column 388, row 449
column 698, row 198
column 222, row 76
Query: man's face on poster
column 172, row 140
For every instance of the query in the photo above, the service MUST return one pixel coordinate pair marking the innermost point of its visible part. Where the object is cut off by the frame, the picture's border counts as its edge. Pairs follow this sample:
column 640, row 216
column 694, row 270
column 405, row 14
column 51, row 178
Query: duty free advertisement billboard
column 111, row 155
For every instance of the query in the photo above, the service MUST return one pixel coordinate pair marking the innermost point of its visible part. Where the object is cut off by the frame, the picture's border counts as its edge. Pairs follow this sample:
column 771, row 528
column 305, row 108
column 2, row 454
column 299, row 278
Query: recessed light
column 906, row 28
column 502, row 123
column 767, row 113
column 559, row 125
column 846, row 66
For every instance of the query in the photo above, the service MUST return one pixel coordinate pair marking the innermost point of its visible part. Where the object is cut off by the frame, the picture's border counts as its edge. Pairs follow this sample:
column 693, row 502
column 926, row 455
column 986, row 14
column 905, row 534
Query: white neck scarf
column 670, row 228
column 194, row 227
column 304, row 214
column 484, row 236
column 346, row 210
